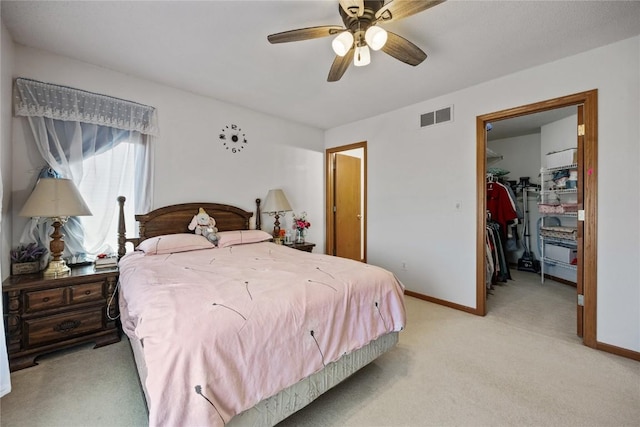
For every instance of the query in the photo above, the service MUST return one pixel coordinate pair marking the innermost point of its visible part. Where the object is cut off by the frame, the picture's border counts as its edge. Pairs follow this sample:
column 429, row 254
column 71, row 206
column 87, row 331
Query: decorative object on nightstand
column 58, row 199
column 279, row 240
column 46, row 314
column 106, row 261
column 27, row 259
column 300, row 224
column 276, row 205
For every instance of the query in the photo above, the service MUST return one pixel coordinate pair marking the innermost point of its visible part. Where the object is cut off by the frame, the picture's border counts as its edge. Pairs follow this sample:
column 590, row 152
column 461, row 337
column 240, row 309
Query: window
column 104, row 145
column 106, row 176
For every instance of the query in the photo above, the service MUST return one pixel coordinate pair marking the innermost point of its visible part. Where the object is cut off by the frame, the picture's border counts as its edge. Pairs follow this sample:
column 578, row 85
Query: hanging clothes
column 495, row 244
column 511, row 243
column 501, row 210
column 501, row 205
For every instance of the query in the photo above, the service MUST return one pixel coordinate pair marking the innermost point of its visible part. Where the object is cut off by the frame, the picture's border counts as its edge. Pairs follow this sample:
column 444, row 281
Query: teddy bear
column 205, row 225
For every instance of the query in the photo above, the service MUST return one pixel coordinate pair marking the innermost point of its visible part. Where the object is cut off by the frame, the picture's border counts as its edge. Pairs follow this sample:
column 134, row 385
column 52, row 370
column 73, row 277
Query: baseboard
column 442, row 302
column 559, row 280
column 618, row 351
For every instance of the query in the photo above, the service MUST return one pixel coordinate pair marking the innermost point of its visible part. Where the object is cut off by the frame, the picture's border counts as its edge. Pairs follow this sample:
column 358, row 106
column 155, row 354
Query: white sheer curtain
column 91, row 139
column 5, row 377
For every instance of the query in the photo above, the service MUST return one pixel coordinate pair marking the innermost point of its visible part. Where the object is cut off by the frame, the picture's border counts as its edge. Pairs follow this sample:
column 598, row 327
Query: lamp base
column 57, row 268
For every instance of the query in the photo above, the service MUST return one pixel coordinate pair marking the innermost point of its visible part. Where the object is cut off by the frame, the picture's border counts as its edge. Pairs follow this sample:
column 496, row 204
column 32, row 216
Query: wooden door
column 347, row 211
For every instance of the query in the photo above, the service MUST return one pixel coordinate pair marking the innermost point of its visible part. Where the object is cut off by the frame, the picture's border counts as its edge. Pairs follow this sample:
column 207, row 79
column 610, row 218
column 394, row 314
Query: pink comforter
column 225, row 328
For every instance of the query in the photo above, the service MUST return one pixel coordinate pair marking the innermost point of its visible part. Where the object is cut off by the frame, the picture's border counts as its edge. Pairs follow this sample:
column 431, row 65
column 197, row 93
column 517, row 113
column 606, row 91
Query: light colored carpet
column 79, row 387
column 521, row 365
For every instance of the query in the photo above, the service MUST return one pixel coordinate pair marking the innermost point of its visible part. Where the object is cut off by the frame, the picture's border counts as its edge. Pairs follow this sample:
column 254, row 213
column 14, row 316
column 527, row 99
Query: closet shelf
column 561, row 241
column 560, row 191
column 558, row 209
column 565, row 214
column 559, row 168
column 550, row 261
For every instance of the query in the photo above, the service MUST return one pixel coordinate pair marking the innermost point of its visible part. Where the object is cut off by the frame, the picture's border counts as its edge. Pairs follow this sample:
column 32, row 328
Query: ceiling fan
column 361, row 32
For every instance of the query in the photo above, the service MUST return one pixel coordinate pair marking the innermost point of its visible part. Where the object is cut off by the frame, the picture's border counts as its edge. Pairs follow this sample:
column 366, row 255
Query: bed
column 246, row 332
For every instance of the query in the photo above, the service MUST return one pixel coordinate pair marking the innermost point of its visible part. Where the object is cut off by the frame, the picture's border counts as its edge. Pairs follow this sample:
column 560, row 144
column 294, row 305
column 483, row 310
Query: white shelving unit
column 558, row 231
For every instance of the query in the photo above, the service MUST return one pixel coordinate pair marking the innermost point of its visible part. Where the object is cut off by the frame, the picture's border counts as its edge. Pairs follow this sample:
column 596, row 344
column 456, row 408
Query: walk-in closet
column 532, row 200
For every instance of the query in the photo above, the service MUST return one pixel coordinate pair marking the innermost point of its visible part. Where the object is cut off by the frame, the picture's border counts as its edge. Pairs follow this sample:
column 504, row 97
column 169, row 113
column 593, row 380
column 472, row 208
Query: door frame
column 588, row 154
column 330, row 199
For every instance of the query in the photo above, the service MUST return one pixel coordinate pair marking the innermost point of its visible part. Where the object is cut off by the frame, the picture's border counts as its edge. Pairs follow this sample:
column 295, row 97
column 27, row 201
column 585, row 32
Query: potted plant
column 26, row 259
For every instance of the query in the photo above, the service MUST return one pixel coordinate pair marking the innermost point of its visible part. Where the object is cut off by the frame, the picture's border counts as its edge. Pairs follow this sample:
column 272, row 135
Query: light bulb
column 342, row 44
column 376, row 37
column 362, row 56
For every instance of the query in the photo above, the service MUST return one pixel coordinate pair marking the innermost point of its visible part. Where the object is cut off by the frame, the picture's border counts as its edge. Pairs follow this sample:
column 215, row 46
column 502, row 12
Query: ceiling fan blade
column 352, row 7
column 340, row 65
column 398, row 9
column 305, row 34
column 403, row 50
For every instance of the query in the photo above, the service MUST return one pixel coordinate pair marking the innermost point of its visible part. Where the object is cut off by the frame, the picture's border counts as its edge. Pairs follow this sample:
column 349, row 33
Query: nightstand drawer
column 48, row 298
column 54, row 328
column 86, row 292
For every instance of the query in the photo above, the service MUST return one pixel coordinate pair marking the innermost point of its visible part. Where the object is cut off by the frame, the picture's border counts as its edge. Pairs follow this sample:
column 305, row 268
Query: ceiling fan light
column 342, row 44
column 376, row 37
column 362, row 56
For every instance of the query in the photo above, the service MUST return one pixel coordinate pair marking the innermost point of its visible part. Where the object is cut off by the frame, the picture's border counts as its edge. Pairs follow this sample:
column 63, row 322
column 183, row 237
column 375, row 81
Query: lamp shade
column 55, row 198
column 376, row 37
column 276, row 202
column 362, row 56
column 342, row 43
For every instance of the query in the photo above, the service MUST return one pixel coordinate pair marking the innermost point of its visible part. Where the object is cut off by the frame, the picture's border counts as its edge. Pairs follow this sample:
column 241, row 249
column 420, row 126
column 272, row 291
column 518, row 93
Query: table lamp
column 58, row 199
column 276, row 204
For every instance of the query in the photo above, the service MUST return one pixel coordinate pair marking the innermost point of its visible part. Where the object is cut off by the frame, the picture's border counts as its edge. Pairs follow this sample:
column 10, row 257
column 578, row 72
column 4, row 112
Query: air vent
column 427, row 119
column 435, row 117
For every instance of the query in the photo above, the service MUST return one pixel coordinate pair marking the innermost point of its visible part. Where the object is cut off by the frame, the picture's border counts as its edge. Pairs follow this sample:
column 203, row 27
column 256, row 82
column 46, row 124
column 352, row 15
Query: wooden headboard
column 176, row 218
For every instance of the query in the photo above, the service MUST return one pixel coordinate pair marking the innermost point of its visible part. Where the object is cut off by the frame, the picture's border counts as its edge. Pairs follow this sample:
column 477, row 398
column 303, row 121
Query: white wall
column 190, row 162
column 417, row 176
column 520, row 156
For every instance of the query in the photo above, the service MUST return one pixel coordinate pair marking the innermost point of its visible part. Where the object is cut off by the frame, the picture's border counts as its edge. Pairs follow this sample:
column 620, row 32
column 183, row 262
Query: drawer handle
column 46, row 299
column 66, row 326
column 87, row 292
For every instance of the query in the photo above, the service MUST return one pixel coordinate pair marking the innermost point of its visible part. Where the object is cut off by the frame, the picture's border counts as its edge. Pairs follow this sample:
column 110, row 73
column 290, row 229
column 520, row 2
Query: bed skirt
column 276, row 408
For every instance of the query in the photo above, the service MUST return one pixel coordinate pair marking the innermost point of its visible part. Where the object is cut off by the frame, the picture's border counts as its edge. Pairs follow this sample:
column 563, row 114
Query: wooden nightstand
column 45, row 314
column 306, row 246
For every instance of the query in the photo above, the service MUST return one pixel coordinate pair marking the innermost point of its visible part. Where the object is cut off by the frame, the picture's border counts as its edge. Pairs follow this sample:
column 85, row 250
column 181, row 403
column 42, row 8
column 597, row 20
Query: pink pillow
column 240, row 237
column 173, row 243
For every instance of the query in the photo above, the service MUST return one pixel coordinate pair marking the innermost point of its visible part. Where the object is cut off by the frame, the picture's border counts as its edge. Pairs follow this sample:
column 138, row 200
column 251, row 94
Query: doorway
column 346, row 201
column 586, row 102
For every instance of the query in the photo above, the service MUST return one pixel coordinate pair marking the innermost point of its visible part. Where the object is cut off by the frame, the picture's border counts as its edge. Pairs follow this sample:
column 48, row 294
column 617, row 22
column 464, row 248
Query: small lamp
column 57, row 199
column 276, row 204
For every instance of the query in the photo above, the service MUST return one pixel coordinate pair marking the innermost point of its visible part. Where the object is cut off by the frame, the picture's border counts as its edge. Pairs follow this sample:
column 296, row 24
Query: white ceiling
column 220, row 49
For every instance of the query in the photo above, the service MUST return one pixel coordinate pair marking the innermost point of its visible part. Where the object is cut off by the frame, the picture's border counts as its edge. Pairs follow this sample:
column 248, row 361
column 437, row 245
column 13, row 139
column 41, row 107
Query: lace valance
column 33, row 98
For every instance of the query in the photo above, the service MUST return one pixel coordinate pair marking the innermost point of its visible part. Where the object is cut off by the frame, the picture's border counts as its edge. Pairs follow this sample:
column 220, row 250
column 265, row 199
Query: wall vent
column 436, row 117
